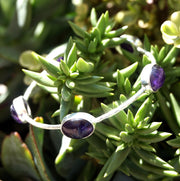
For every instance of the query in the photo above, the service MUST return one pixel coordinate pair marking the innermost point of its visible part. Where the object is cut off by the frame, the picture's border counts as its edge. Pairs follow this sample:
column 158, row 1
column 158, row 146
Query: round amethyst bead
column 157, row 77
column 14, row 114
column 77, row 128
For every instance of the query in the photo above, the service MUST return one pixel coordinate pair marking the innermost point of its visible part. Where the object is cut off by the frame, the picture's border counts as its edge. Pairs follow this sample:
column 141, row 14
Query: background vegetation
column 28, row 153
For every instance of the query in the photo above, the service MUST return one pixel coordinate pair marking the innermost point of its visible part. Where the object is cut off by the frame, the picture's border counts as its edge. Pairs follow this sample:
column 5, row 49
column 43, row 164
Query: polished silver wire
column 41, row 125
column 148, row 54
column 29, row 90
column 121, row 107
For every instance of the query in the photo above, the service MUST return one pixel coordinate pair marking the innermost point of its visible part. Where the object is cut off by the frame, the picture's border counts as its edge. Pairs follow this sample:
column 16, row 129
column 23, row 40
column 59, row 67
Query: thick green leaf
column 56, row 113
column 144, row 146
column 88, row 94
column 113, row 120
column 154, row 137
column 143, row 110
column 128, row 128
column 112, row 42
column 101, row 25
column 110, row 145
column 108, row 131
column 93, row 88
column 162, row 54
column 88, row 80
column 117, row 159
column 121, row 116
column 93, row 17
column 41, row 78
column 175, row 163
column 28, row 60
column 128, row 71
column 130, row 118
column 68, row 48
column 52, row 90
column 73, row 75
column 64, row 68
column 64, row 108
column 96, row 35
column 176, row 108
column 147, row 44
column 120, row 82
column 116, row 33
column 17, row 158
column 93, row 45
column 152, row 159
column 50, row 66
column 100, row 176
column 81, row 46
column 127, row 86
column 79, row 32
column 97, row 143
column 72, row 56
column 35, row 142
column 149, row 128
column 126, row 137
column 136, row 171
column 84, row 66
column 171, row 54
column 167, row 114
column 154, row 51
column 66, row 93
column 106, row 17
column 174, row 142
column 150, row 168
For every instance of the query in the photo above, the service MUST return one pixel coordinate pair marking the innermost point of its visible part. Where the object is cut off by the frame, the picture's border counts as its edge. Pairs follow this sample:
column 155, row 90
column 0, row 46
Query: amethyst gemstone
column 14, row 114
column 127, row 47
column 77, row 128
column 59, row 59
column 157, row 77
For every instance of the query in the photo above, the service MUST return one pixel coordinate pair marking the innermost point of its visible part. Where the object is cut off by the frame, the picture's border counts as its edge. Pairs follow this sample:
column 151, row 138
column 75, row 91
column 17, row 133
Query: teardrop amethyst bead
column 77, row 128
column 127, row 46
column 14, row 114
column 157, row 77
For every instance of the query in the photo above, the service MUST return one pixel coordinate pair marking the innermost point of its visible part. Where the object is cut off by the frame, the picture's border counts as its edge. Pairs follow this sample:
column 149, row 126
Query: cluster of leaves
column 75, row 75
column 82, row 80
column 128, row 137
column 170, row 30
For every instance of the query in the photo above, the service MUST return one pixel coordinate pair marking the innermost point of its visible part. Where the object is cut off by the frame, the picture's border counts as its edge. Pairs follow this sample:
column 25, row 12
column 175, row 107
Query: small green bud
column 84, row 66
column 29, row 61
column 70, row 84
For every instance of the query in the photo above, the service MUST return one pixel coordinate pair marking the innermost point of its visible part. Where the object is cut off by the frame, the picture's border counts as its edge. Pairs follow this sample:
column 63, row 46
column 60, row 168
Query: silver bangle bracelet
column 81, row 125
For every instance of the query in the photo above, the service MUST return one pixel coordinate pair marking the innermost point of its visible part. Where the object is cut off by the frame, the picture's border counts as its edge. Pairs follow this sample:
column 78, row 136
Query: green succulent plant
column 95, row 71
column 170, row 30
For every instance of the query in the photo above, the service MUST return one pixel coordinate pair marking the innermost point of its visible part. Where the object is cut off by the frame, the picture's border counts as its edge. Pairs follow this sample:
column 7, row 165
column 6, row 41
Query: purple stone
column 14, row 114
column 157, row 77
column 59, row 59
column 127, row 47
column 77, row 128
